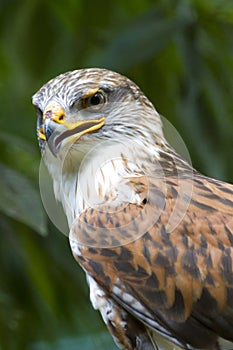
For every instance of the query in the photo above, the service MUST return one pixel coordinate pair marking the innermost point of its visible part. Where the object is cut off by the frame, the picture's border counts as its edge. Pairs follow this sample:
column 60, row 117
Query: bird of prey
column 154, row 236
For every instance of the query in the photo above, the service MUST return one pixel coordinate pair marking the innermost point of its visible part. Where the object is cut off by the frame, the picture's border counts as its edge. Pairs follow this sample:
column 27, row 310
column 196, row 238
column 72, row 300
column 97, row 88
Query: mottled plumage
column 154, row 236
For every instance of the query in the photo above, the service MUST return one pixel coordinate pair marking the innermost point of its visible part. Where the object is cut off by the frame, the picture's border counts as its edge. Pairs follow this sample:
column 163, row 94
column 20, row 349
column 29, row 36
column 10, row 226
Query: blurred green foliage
column 180, row 52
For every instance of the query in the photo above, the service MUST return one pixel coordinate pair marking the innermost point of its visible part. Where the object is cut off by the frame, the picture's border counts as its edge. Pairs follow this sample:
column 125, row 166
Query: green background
column 179, row 52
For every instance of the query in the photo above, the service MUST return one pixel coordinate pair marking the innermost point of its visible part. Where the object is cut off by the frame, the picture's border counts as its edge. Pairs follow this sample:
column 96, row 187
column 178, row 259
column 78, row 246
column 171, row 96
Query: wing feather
column 180, row 281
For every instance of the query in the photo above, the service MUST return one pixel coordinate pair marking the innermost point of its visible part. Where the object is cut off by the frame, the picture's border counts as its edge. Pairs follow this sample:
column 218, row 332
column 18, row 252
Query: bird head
column 92, row 104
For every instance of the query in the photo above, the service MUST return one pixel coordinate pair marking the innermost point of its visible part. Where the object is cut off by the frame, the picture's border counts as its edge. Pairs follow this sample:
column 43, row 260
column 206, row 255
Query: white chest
column 101, row 176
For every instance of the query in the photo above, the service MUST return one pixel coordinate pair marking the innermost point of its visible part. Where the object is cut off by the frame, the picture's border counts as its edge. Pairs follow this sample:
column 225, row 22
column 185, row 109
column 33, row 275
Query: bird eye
column 94, row 102
column 96, row 99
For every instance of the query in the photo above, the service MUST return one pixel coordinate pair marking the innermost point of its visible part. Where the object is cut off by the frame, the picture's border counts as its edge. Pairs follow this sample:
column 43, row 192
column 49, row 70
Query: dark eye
column 96, row 99
column 94, row 102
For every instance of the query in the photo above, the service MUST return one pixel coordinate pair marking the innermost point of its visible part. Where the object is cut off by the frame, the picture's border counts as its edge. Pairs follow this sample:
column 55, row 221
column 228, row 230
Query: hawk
column 154, row 236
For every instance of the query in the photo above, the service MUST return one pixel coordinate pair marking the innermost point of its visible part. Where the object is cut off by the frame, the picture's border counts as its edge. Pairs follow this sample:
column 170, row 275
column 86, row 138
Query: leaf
column 140, row 41
column 19, row 154
column 20, row 200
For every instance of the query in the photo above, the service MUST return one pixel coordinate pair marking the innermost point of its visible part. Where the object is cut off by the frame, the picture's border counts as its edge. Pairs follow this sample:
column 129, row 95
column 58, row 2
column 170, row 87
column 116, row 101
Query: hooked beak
column 54, row 128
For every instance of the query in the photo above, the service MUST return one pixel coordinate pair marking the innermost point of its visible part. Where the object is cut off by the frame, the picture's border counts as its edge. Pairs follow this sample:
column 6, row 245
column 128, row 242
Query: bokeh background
column 180, row 52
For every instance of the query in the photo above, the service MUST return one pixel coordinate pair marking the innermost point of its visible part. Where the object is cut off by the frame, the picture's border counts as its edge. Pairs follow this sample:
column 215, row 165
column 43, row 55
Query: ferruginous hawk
column 154, row 236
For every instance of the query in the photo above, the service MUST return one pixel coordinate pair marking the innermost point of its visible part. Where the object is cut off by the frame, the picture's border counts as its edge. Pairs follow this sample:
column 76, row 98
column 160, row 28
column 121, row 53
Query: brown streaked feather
column 183, row 278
